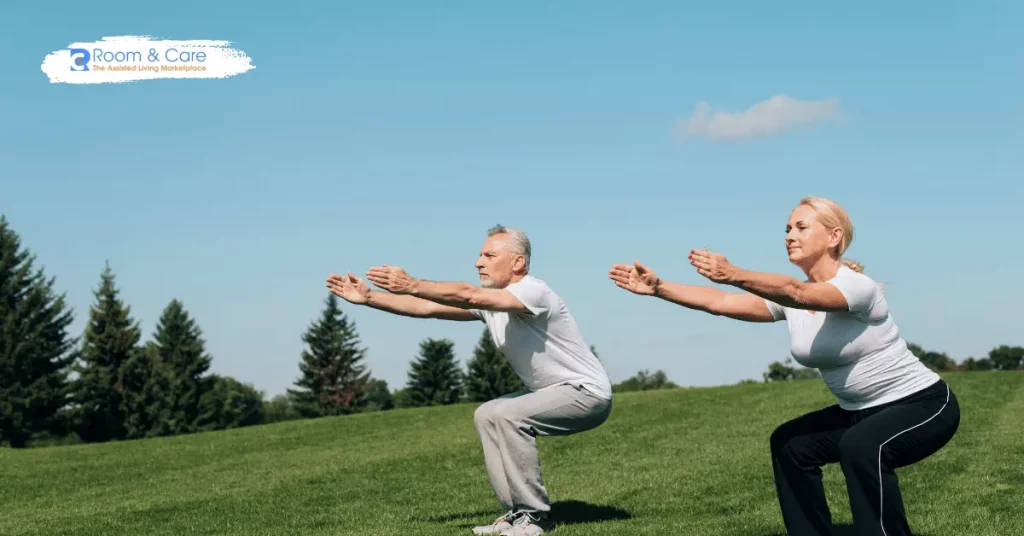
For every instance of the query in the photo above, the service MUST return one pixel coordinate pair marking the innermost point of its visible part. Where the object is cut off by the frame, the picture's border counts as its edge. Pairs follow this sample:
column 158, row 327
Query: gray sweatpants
column 508, row 428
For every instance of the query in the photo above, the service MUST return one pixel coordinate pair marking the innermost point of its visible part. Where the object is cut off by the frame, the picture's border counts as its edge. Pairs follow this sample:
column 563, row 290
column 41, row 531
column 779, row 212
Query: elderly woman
column 892, row 411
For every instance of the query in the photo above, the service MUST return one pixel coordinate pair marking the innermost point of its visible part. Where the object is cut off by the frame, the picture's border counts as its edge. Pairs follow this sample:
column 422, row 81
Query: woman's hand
column 637, row 278
column 713, row 266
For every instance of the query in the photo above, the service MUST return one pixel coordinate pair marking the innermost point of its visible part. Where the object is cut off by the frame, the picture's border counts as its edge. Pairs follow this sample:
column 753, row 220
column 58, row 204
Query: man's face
column 497, row 263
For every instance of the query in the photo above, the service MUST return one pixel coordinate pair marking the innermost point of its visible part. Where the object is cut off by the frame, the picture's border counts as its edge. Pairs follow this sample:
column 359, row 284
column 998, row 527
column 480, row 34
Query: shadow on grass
column 841, row 529
column 573, row 512
column 563, row 512
column 457, row 517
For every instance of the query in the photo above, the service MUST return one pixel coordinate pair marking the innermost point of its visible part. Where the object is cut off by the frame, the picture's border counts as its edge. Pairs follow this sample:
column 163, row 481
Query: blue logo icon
column 79, row 59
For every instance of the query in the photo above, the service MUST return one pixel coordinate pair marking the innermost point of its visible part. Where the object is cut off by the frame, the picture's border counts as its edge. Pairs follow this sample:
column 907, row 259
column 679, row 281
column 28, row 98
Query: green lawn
column 681, row 462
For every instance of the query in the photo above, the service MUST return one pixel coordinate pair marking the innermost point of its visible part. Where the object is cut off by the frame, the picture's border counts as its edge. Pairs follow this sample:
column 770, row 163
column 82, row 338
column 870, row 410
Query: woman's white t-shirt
column 860, row 353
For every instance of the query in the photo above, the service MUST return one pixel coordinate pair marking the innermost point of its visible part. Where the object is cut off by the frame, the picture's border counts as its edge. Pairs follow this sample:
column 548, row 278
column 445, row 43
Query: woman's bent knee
column 778, row 440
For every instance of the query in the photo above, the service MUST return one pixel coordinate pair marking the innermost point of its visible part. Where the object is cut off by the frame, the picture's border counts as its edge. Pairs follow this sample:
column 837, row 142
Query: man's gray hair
column 518, row 241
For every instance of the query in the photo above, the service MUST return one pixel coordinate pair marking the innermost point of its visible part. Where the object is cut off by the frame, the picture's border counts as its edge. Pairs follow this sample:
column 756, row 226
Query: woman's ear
column 835, row 238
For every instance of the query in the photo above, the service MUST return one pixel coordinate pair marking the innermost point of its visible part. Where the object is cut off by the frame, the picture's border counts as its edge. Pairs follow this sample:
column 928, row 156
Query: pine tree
column 184, row 360
column 110, row 341
column 333, row 378
column 35, row 350
column 434, row 377
column 489, row 374
column 147, row 399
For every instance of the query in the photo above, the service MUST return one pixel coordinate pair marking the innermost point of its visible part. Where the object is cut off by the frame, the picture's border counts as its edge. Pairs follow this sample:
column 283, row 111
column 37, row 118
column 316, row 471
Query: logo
column 79, row 59
column 129, row 58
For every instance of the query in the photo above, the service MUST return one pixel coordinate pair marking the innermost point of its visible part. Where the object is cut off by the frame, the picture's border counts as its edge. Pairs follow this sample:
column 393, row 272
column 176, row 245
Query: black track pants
column 869, row 444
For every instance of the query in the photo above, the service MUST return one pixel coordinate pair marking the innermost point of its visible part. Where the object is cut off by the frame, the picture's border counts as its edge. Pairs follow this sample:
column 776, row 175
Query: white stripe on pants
column 508, row 428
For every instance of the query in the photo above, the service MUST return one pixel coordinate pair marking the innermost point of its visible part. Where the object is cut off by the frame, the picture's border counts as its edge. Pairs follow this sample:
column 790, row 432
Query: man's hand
column 349, row 288
column 391, row 278
column 713, row 266
column 637, row 278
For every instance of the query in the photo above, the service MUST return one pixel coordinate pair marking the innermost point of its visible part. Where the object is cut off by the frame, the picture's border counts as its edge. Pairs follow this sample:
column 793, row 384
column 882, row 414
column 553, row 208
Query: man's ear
column 519, row 263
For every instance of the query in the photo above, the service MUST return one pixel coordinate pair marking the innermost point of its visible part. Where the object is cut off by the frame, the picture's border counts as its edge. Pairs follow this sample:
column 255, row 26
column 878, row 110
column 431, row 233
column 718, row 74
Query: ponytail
column 853, row 265
column 859, row 268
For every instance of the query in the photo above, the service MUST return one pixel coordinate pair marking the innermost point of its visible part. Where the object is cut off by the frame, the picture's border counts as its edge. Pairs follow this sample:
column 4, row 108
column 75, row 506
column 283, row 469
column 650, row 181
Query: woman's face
column 807, row 239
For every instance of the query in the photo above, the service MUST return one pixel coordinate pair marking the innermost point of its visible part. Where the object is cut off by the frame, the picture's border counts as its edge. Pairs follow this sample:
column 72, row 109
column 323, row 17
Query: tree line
column 106, row 384
column 1002, row 357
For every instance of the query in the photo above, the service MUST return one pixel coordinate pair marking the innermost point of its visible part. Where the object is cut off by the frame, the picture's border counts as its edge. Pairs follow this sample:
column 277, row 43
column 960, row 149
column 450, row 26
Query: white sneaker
column 500, row 525
column 528, row 524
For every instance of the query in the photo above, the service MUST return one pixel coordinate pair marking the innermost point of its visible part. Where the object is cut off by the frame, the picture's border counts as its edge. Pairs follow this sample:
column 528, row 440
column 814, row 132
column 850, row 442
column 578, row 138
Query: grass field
column 686, row 462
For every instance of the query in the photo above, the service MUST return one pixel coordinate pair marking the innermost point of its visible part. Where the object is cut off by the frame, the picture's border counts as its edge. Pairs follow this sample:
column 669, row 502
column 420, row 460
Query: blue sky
column 399, row 133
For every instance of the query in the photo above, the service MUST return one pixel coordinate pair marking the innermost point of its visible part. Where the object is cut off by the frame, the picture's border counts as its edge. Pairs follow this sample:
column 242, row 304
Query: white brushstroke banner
column 133, row 58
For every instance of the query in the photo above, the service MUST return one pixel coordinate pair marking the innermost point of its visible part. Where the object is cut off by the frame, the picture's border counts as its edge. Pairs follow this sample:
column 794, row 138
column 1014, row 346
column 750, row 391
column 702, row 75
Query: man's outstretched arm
column 354, row 290
column 452, row 294
column 413, row 306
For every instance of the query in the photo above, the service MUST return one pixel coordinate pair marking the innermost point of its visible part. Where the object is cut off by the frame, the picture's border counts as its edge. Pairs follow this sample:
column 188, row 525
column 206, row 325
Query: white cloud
column 773, row 116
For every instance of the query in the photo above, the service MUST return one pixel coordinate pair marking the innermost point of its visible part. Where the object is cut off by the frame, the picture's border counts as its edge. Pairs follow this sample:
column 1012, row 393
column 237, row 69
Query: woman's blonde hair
column 833, row 216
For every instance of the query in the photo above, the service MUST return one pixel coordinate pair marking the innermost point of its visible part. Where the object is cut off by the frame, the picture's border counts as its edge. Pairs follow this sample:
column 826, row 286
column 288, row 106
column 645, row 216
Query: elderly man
column 567, row 389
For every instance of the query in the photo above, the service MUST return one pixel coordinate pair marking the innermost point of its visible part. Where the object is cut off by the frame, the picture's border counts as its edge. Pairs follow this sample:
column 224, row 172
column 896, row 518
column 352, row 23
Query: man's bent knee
column 484, row 415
